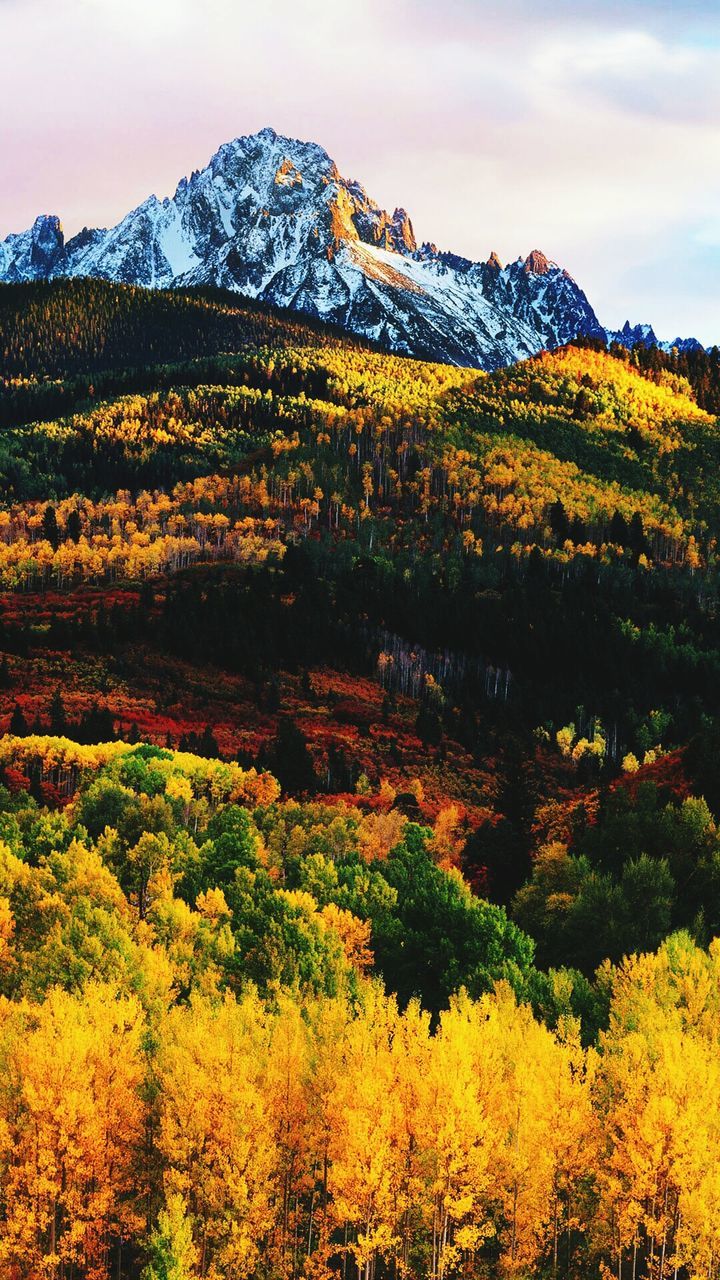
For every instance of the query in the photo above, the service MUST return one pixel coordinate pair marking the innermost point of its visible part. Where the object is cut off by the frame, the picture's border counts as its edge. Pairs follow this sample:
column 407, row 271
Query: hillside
column 359, row 776
column 307, row 515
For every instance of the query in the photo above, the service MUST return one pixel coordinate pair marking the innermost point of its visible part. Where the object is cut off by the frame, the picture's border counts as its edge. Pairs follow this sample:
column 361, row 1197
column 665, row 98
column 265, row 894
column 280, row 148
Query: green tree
column 73, row 526
column 50, row 526
column 440, row 937
column 172, row 1254
column 233, row 841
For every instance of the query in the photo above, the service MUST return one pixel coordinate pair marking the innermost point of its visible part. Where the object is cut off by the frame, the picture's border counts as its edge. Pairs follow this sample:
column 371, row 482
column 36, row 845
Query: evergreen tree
column 50, row 526
column 619, row 532
column 208, row 745
column 428, row 727
column 73, row 526
column 636, row 535
column 341, row 775
column 96, row 725
column 18, row 723
column 58, row 718
column 290, row 759
column 559, row 522
column 578, row 531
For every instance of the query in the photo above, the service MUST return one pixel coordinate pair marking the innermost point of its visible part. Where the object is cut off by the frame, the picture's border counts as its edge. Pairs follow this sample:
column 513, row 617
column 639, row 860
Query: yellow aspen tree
column 411, row 1050
column 573, row 1139
column 365, row 1165
column 216, row 1134
column 459, row 1139
column 519, row 1068
column 287, row 1089
column 70, row 1192
column 327, row 1021
column 657, row 1096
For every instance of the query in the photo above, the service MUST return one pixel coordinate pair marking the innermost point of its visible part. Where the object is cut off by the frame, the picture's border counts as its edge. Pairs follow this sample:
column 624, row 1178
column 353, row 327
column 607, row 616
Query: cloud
column 625, row 54
column 635, row 71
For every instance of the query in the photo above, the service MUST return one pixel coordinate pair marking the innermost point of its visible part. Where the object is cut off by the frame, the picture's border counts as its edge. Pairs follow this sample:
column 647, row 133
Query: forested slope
column 358, row 801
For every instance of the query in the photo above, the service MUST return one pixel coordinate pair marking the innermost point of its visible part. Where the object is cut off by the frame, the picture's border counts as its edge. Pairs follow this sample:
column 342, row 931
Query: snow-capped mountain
column 34, row 254
column 273, row 218
column 643, row 335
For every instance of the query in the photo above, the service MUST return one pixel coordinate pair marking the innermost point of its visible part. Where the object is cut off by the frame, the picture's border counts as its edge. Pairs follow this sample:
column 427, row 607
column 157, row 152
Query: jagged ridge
column 643, row 335
column 272, row 218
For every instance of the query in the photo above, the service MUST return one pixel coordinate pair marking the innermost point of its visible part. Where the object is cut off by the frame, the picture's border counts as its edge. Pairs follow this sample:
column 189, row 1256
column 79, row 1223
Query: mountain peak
column 537, row 264
column 47, row 223
column 273, row 218
column 403, row 229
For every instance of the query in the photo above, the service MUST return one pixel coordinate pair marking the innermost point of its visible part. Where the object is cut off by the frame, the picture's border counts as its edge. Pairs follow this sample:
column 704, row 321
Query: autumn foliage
column 359, row 853
column 161, row 1110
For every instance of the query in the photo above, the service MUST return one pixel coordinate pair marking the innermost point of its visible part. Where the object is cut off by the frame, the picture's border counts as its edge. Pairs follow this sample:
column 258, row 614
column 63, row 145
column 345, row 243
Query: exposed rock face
column 273, row 218
column 536, row 263
column 34, row 254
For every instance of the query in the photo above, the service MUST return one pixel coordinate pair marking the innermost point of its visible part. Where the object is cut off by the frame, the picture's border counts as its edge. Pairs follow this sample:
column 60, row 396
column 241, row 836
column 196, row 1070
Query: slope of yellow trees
column 614, row 396
column 329, row 1137
column 157, row 1118
column 333, row 439
column 135, row 538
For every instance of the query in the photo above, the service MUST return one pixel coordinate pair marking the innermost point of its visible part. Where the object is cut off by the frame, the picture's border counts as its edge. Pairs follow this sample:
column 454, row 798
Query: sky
column 588, row 130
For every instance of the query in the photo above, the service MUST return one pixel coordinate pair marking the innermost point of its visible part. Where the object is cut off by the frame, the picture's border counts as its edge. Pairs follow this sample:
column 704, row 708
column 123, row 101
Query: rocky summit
column 272, row 218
